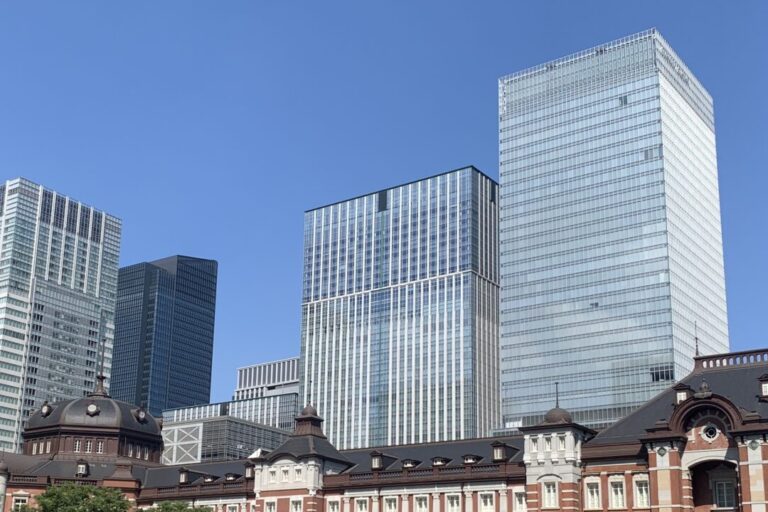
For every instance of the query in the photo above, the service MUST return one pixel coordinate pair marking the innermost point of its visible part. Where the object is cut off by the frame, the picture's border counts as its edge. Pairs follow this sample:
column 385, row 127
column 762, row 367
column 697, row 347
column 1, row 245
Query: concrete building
column 268, row 379
column 399, row 338
column 165, row 319
column 58, row 283
column 611, row 245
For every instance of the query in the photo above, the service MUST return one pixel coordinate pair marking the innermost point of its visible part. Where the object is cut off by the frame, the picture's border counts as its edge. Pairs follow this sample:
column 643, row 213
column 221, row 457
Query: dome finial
column 99, row 390
column 557, row 395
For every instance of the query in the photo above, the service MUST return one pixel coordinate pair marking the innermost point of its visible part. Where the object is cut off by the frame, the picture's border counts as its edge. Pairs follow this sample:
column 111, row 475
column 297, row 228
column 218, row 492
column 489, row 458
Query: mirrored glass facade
column 611, row 246
column 164, row 333
column 400, row 312
column 58, row 282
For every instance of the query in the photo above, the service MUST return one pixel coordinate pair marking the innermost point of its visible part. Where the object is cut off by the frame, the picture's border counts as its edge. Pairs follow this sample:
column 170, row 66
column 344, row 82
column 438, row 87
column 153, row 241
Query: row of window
column 285, row 474
column 616, row 494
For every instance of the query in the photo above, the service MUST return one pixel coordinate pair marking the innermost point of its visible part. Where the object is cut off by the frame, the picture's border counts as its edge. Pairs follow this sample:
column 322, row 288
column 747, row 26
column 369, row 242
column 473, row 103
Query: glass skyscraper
column 399, row 338
column 58, row 282
column 164, row 333
column 611, row 246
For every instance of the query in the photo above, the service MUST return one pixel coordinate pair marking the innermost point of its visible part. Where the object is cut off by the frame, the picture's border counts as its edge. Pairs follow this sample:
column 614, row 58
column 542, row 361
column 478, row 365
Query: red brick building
column 699, row 446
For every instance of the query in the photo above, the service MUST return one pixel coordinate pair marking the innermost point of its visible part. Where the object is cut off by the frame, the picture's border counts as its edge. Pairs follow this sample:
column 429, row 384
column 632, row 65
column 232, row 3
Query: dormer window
column 682, row 396
column 208, row 479
column 183, row 476
column 230, row 477
column 763, row 386
column 410, row 463
column 82, row 468
column 499, row 451
column 248, row 471
column 376, row 462
column 439, row 461
column 471, row 459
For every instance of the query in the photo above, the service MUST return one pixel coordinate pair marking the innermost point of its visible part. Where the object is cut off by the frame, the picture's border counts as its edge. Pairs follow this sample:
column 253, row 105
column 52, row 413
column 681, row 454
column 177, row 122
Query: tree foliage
column 80, row 498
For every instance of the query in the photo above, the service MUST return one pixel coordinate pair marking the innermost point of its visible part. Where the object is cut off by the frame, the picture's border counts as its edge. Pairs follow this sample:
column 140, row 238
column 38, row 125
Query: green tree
column 177, row 506
column 80, row 498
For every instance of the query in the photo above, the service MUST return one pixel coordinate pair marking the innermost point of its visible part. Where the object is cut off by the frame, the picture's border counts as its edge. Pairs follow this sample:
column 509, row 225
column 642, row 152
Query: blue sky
column 209, row 127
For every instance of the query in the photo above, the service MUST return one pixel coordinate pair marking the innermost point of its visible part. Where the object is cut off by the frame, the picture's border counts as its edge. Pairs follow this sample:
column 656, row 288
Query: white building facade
column 611, row 244
column 58, row 282
column 400, row 312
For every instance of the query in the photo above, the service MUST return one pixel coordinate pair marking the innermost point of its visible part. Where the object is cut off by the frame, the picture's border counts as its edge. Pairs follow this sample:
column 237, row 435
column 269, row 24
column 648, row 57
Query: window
column 682, row 396
column 34, row 448
column 593, row 495
column 641, row 494
column 452, row 503
column 520, row 504
column 617, row 494
column 77, row 446
column 295, row 505
column 561, row 443
column 48, row 446
column 82, row 469
column 272, row 506
column 146, row 453
column 547, row 444
column 550, row 495
column 486, row 502
column 725, row 495
column 88, row 446
column 272, row 475
column 286, row 474
column 99, row 446
column 333, row 506
column 232, row 508
column 19, row 501
column 298, row 474
column 534, row 445
column 361, row 505
column 130, row 449
column 420, row 503
column 623, row 100
column 764, row 388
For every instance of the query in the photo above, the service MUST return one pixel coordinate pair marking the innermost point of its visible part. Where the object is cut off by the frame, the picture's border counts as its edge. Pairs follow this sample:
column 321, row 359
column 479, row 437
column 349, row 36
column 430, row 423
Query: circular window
column 709, row 432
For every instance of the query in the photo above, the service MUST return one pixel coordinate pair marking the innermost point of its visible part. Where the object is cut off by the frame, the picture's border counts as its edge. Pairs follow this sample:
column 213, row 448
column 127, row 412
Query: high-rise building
column 268, row 379
column 399, row 338
column 611, row 246
column 164, row 333
column 58, row 282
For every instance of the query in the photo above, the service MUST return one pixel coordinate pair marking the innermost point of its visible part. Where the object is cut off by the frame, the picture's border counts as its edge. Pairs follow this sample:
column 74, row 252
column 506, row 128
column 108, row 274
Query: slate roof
column 455, row 451
column 168, row 476
column 738, row 383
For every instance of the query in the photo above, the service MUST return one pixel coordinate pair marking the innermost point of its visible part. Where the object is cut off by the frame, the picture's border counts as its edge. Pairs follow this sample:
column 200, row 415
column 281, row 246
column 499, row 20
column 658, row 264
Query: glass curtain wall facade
column 268, row 379
column 611, row 246
column 400, row 313
column 58, row 283
column 164, row 333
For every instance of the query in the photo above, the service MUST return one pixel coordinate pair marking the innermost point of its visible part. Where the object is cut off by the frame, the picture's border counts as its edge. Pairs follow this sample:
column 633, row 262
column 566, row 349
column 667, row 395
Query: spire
column 557, row 395
column 696, row 336
column 99, row 390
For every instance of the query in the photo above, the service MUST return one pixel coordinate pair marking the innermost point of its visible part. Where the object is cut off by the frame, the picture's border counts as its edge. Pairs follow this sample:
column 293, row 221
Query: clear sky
column 210, row 126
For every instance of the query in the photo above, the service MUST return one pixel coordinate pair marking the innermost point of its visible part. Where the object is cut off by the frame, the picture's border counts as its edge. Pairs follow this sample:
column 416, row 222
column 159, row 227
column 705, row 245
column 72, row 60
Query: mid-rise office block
column 611, row 245
column 164, row 333
column 277, row 411
column 58, row 283
column 268, row 379
column 400, row 312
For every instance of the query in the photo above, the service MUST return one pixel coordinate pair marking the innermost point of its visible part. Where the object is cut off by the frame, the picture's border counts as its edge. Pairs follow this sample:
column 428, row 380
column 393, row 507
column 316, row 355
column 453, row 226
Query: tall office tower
column 268, row 379
column 58, row 281
column 611, row 246
column 400, row 311
column 164, row 333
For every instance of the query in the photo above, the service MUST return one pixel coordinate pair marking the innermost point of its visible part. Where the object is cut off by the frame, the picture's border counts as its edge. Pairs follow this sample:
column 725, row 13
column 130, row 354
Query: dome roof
column 557, row 415
column 95, row 411
column 309, row 410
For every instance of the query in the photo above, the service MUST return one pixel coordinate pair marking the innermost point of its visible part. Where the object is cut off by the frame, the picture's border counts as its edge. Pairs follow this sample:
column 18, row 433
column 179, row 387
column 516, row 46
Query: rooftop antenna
column 557, row 395
column 696, row 336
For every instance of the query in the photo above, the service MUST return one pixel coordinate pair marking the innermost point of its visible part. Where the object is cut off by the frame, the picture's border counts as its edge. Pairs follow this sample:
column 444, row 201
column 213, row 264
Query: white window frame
column 88, row 446
column 482, row 507
column 99, row 446
column 534, row 444
column 292, row 508
column 561, row 443
column 298, row 474
column 592, row 501
column 682, row 396
column 285, row 475
column 448, row 508
column 361, row 505
column 547, row 443
column 715, row 492
column 232, row 508
column 517, row 504
column 547, row 498
column 270, row 505
column 34, row 448
column 764, row 388
column 78, row 444
column 614, row 497
column 48, row 446
column 272, row 476
column 416, row 500
column 636, row 493
column 331, row 504
column 19, row 501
